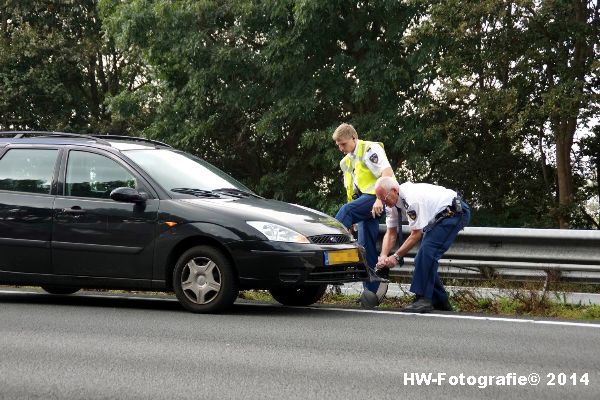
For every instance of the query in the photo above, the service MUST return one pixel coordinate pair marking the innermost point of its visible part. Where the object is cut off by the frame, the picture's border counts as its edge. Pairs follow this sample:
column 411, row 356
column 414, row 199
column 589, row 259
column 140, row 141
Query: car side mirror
column 128, row 195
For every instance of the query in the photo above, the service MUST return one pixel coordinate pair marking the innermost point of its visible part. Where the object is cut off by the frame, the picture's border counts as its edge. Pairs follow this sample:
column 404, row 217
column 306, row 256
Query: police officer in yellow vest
column 363, row 164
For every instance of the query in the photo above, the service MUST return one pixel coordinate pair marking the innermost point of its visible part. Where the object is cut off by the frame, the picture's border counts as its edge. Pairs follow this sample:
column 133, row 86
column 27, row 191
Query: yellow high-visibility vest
column 364, row 177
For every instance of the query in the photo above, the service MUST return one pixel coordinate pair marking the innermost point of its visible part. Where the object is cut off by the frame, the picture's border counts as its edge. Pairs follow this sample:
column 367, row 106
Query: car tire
column 60, row 289
column 204, row 280
column 304, row 295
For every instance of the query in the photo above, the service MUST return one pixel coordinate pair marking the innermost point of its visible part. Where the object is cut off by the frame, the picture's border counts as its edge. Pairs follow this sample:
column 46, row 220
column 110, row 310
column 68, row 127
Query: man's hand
column 389, row 262
column 377, row 208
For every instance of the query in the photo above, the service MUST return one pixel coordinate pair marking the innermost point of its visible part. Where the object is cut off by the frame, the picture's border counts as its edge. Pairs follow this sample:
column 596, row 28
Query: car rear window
column 27, row 170
column 93, row 175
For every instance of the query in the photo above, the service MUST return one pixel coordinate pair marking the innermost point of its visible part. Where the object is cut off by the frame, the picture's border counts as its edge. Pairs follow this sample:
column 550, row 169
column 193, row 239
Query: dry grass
column 526, row 301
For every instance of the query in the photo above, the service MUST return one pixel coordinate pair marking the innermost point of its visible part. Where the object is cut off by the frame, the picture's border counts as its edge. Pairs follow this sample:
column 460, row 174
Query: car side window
column 94, row 175
column 27, row 170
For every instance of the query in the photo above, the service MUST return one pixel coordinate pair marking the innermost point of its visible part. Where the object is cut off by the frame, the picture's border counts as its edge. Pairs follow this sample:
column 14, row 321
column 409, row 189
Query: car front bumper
column 264, row 264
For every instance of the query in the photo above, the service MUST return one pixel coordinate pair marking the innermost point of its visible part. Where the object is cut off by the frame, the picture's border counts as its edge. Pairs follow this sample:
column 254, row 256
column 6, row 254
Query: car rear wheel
column 60, row 289
column 204, row 280
column 298, row 295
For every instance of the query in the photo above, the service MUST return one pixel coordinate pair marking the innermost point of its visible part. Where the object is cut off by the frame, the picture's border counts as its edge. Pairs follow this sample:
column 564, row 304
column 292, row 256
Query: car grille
column 330, row 239
column 335, row 274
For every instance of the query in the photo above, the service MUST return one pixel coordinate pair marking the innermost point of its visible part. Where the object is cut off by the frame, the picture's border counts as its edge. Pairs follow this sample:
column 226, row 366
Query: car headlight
column 278, row 233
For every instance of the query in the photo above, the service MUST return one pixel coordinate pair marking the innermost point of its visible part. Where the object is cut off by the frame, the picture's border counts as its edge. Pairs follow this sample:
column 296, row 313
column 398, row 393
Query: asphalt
column 133, row 346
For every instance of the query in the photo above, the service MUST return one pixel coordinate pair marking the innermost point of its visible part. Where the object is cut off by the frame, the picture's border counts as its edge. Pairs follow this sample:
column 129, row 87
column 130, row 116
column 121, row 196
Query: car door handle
column 73, row 210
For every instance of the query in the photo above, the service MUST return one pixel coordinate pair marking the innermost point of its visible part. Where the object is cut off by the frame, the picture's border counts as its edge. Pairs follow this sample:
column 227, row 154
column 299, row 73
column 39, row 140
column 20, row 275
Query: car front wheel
column 298, row 295
column 204, row 280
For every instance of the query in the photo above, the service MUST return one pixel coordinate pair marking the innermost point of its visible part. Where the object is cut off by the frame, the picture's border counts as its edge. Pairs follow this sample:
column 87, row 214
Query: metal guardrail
column 516, row 254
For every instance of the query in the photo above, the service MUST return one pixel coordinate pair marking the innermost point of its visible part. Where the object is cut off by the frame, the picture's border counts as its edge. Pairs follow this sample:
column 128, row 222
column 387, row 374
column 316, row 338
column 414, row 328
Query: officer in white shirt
column 435, row 215
column 362, row 164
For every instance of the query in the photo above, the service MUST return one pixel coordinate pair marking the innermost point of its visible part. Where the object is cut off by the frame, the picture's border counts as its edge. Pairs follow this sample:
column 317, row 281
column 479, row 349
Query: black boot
column 423, row 305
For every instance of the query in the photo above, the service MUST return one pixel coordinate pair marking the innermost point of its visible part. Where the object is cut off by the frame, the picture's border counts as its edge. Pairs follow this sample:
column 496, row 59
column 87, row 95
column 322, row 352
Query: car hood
column 302, row 219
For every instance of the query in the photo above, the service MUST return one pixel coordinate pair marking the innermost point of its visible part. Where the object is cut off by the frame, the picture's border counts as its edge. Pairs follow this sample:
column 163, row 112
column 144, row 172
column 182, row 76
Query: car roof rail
column 132, row 139
column 23, row 134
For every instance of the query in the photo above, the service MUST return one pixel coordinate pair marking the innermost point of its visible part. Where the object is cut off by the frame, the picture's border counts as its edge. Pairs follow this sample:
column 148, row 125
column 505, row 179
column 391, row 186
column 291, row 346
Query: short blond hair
column 345, row 131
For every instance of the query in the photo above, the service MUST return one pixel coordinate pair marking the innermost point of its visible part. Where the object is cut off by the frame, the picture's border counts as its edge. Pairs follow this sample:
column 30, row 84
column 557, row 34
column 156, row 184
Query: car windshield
column 183, row 172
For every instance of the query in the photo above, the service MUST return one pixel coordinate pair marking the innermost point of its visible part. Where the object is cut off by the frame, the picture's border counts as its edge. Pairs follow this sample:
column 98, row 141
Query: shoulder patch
column 411, row 213
column 374, row 158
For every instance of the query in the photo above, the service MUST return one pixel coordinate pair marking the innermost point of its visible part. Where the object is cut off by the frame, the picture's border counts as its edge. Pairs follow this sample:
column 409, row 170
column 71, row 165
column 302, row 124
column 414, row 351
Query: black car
column 118, row 212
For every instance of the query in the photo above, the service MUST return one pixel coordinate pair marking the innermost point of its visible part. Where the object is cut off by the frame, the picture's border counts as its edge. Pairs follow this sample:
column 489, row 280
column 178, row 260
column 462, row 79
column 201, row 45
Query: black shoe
column 422, row 305
column 443, row 306
column 383, row 273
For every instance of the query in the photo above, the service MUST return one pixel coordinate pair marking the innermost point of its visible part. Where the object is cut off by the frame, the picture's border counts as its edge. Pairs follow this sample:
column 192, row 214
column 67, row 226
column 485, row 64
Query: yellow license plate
column 341, row 256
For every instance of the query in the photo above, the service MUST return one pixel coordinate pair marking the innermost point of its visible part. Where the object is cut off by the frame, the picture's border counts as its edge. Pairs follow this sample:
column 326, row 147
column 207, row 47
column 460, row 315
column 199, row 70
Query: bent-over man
column 435, row 216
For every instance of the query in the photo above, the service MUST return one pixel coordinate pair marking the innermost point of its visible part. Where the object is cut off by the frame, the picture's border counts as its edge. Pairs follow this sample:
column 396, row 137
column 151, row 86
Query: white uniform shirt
column 421, row 202
column 374, row 158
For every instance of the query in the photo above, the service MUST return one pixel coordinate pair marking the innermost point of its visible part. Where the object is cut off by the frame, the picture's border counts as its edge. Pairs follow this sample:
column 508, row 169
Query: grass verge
column 519, row 303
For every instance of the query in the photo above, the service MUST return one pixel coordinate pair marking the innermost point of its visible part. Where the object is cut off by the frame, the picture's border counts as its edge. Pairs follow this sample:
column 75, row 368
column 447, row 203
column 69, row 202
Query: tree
column 59, row 72
column 516, row 77
column 568, row 46
column 483, row 96
column 258, row 87
column 591, row 149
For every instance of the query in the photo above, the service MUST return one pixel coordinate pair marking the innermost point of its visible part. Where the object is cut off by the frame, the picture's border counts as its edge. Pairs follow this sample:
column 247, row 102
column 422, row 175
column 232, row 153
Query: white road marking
column 354, row 310
column 459, row 316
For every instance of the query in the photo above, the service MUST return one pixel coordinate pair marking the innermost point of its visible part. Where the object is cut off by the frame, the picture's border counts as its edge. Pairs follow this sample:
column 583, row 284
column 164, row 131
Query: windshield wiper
column 236, row 192
column 195, row 192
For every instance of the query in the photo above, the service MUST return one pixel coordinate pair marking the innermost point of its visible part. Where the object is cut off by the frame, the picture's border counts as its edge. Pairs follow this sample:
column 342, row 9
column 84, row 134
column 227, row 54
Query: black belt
column 445, row 213
column 450, row 210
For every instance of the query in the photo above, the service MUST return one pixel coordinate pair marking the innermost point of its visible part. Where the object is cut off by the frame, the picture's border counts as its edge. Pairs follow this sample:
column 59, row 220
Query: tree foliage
column 483, row 96
column 515, row 81
column 59, row 71
column 258, row 87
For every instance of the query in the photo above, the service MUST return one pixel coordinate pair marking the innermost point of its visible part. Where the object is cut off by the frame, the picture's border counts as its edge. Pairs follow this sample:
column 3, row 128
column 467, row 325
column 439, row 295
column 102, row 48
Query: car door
column 94, row 235
column 26, row 202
